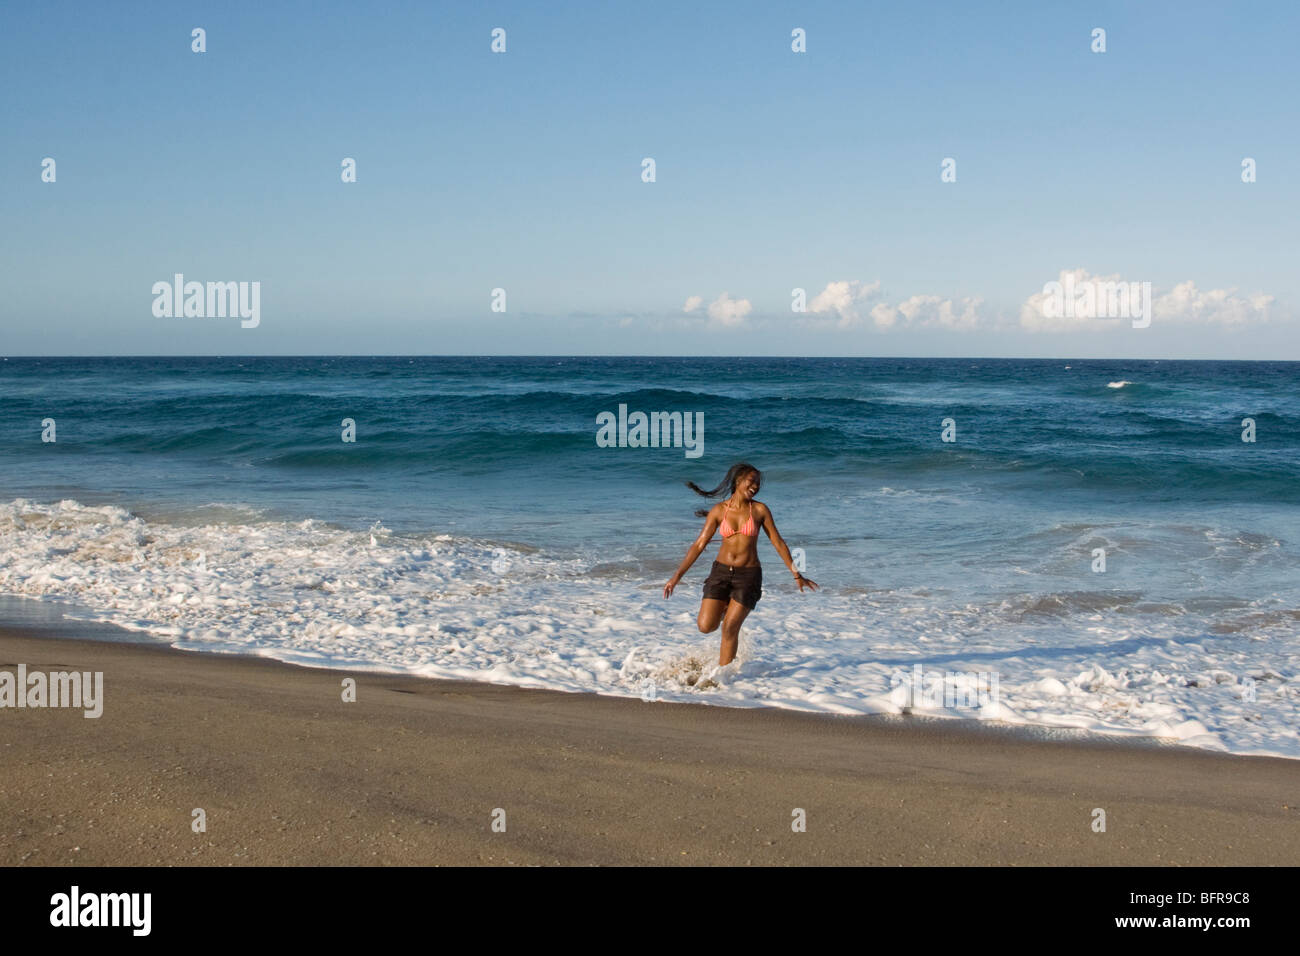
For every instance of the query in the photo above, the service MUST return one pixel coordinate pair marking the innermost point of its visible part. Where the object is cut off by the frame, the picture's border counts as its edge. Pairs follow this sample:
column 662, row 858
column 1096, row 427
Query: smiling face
column 747, row 486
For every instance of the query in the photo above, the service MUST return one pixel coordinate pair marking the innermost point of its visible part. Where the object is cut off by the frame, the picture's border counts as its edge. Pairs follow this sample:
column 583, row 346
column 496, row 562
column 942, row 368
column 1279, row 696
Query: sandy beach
column 413, row 770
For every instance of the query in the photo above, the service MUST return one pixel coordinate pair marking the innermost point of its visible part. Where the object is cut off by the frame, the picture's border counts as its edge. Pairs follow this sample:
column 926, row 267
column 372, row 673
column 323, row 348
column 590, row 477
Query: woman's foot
column 721, row 674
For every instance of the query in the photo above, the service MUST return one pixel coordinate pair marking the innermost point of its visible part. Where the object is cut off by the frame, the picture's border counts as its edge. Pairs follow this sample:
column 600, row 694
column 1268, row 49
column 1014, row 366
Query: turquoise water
column 506, row 447
column 977, row 550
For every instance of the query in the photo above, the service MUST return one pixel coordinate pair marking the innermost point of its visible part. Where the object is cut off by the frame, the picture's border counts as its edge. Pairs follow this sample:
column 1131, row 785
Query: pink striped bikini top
column 749, row 527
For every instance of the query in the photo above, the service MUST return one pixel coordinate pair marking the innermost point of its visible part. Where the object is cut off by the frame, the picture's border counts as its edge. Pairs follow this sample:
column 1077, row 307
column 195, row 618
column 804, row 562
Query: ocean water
column 475, row 529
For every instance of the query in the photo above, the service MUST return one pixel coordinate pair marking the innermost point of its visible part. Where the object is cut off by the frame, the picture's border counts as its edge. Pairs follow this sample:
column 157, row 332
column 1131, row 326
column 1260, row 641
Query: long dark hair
column 736, row 472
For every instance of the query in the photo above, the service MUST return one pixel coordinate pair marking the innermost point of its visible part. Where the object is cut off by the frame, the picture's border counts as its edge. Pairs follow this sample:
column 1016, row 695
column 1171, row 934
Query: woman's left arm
column 778, row 542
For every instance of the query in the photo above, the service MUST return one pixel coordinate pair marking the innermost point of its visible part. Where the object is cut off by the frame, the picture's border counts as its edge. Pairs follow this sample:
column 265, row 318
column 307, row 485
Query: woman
column 735, row 584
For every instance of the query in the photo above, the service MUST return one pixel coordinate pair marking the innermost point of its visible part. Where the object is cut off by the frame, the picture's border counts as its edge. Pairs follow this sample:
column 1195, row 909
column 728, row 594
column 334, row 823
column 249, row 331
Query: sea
column 1073, row 546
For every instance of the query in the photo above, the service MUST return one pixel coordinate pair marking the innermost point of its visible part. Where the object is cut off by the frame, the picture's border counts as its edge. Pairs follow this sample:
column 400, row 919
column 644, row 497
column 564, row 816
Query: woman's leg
column 736, row 614
column 711, row 611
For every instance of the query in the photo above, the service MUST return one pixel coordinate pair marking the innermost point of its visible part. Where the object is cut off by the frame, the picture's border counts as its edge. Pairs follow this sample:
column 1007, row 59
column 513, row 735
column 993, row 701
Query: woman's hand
column 800, row 580
column 672, row 583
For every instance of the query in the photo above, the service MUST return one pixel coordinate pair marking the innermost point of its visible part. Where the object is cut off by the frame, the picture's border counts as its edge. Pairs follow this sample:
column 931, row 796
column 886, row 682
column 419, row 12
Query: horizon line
column 559, row 355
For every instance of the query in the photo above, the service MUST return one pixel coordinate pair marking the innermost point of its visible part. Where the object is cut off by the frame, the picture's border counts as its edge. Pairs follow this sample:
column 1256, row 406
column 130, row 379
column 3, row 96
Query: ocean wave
column 444, row 605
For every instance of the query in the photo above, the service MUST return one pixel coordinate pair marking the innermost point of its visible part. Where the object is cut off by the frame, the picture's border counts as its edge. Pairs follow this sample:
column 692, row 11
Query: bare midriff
column 738, row 550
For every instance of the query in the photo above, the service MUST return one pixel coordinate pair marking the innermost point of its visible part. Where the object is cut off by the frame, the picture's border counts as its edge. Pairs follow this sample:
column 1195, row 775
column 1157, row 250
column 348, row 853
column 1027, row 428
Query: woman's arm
column 778, row 542
column 694, row 551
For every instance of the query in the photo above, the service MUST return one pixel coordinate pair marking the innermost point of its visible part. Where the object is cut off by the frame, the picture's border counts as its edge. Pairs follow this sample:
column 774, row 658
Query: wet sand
column 413, row 771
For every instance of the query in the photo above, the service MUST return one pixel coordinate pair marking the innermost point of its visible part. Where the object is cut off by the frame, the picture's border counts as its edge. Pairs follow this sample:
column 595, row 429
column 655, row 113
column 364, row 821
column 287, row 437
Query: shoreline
column 44, row 619
column 1066, row 659
column 413, row 770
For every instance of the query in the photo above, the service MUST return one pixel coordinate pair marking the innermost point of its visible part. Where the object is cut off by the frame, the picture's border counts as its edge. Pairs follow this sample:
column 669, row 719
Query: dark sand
column 411, row 773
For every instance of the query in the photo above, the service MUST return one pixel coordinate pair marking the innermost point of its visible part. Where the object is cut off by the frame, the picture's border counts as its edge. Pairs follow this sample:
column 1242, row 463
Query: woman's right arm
column 694, row 551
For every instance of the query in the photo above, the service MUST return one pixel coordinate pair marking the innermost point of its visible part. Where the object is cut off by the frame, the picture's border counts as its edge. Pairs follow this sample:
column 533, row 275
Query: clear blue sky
column 522, row 170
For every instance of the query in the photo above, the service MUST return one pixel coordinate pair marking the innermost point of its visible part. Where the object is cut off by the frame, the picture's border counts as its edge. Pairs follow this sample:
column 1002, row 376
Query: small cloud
column 884, row 315
column 932, row 311
column 1095, row 300
column 1044, row 311
column 1185, row 303
column 848, row 299
column 729, row 311
column 693, row 303
column 843, row 298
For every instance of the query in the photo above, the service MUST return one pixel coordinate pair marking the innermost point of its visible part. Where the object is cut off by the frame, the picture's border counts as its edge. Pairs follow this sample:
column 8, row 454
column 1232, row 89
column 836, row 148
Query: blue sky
column 775, row 170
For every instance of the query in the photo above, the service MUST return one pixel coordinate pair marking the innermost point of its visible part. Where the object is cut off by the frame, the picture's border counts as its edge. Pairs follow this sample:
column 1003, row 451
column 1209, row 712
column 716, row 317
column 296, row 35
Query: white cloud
column 932, row 311
column 1185, row 303
column 1094, row 304
column 729, row 311
column 884, row 315
column 844, row 298
column 849, row 299
column 724, row 309
column 1044, row 311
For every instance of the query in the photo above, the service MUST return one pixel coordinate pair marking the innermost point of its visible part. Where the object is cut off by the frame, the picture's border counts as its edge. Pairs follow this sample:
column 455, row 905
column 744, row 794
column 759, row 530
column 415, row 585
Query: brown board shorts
column 727, row 582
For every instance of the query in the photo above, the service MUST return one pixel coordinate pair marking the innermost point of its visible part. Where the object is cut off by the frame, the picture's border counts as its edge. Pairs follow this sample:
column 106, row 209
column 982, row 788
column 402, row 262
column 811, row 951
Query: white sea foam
column 1117, row 384
column 454, row 607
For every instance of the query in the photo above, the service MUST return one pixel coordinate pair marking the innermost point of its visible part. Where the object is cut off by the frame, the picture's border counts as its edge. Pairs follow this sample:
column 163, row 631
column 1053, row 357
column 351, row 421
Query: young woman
column 735, row 584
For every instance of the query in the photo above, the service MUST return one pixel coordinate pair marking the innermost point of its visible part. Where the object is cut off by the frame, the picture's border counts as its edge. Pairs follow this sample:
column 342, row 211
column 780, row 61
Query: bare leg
column 711, row 611
column 736, row 614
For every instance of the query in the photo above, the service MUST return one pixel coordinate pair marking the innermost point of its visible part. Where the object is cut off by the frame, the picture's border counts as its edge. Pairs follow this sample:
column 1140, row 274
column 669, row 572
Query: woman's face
column 748, row 486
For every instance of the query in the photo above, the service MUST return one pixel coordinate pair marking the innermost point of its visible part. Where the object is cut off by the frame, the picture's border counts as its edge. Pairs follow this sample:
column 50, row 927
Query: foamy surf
column 454, row 607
